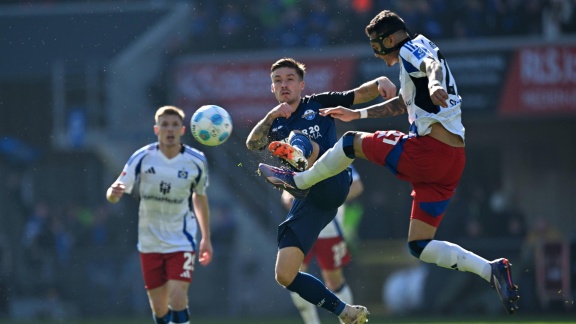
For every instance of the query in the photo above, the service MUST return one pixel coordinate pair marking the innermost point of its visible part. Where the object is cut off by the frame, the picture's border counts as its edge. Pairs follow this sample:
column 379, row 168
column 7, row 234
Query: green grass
column 504, row 319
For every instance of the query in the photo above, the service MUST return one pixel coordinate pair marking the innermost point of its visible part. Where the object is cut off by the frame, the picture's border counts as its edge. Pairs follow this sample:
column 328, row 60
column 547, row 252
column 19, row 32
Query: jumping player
column 172, row 177
column 431, row 157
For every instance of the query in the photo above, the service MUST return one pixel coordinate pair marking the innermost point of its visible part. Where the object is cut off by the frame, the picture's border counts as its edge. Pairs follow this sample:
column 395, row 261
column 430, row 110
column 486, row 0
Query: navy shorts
column 310, row 215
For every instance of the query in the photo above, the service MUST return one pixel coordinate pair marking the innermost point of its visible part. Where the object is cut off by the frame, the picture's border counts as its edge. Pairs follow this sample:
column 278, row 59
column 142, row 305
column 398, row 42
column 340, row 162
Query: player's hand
column 282, row 110
column 344, row 114
column 438, row 95
column 386, row 88
column 205, row 255
column 116, row 191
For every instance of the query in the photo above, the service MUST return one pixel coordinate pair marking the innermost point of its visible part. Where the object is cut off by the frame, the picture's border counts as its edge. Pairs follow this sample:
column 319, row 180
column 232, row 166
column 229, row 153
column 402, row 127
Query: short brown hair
column 289, row 63
column 169, row 110
column 385, row 22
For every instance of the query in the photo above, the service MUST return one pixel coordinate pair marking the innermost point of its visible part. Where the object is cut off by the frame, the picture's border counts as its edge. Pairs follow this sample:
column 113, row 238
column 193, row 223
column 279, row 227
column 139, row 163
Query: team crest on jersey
column 183, row 174
column 165, row 187
column 309, row 114
column 419, row 52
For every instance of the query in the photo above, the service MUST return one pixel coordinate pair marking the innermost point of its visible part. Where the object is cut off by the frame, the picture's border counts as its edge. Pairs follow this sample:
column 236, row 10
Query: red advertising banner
column 243, row 88
column 541, row 81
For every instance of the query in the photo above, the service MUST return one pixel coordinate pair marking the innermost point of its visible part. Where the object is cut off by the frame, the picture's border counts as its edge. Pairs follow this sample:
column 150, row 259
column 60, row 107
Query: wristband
column 363, row 113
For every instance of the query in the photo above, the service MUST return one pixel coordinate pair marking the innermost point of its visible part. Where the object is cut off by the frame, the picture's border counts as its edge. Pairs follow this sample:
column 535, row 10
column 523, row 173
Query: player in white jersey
column 172, row 179
column 431, row 157
column 331, row 253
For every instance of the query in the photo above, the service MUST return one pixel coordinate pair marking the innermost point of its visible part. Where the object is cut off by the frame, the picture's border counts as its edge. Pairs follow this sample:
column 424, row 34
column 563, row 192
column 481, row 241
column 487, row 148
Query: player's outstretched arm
column 392, row 107
column 202, row 211
column 370, row 90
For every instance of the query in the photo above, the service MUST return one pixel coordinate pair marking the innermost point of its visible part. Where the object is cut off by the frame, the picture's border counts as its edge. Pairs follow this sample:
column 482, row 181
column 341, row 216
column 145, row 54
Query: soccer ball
column 211, row 125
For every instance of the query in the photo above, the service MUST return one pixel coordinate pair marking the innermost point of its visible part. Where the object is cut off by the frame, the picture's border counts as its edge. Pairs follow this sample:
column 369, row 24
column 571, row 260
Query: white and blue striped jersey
column 422, row 113
column 166, row 221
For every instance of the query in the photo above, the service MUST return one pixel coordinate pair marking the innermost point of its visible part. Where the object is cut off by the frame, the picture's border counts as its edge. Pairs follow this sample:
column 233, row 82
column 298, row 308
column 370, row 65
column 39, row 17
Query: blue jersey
column 310, row 215
column 306, row 119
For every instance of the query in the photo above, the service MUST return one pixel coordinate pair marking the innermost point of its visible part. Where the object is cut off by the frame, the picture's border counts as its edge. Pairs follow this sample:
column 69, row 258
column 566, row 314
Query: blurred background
column 80, row 82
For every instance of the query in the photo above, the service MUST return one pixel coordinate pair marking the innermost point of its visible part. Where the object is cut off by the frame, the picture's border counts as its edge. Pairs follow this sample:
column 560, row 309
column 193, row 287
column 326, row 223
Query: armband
column 363, row 113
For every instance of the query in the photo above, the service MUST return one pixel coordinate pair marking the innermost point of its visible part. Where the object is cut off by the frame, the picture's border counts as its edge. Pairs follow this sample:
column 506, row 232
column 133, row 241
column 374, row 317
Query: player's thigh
column 177, row 294
column 158, row 298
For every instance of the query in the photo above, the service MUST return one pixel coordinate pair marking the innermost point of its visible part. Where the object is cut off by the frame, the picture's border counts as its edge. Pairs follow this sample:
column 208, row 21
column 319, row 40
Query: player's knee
column 348, row 144
column 284, row 278
column 417, row 246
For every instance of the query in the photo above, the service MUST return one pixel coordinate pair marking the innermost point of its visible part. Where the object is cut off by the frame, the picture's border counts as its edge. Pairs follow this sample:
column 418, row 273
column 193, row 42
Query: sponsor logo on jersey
column 151, row 171
column 309, row 114
column 162, row 199
column 183, row 174
column 419, row 52
column 185, row 274
column 165, row 187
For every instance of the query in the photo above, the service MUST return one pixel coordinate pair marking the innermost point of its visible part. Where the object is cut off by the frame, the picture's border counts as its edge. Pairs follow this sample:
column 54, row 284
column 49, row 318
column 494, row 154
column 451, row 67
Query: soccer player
column 431, row 157
column 331, row 253
column 172, row 178
column 296, row 132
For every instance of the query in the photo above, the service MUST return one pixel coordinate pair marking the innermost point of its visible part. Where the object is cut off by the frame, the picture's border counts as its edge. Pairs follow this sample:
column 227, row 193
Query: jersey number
column 189, row 263
column 390, row 137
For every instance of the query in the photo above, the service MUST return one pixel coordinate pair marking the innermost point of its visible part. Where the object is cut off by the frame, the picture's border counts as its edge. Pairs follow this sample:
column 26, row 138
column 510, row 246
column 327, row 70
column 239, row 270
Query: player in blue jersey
column 295, row 126
column 431, row 157
column 172, row 178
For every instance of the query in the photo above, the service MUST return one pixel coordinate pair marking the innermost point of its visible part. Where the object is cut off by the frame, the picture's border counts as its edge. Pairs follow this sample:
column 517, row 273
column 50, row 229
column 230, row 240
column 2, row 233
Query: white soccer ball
column 211, row 125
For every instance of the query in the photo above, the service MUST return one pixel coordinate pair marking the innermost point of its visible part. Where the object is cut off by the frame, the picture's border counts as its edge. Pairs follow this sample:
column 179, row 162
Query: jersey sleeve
column 412, row 55
column 131, row 170
column 334, row 98
column 201, row 163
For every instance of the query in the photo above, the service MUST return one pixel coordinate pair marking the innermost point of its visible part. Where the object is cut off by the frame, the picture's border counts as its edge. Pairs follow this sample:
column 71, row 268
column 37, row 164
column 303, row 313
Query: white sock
column 452, row 256
column 345, row 294
column 307, row 310
column 330, row 164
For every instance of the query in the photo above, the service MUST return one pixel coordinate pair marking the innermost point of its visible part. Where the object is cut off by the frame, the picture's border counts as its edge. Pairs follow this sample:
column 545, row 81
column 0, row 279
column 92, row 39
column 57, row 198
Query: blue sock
column 164, row 319
column 303, row 143
column 314, row 291
column 180, row 316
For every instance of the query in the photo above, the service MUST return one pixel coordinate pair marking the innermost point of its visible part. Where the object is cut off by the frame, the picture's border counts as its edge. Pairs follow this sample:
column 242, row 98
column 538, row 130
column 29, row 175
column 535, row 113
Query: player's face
column 169, row 129
column 388, row 42
column 286, row 85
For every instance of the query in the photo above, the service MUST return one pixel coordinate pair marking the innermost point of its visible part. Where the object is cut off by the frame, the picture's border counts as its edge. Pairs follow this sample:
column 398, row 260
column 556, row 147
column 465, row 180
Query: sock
column 314, row 291
column 307, row 311
column 303, row 143
column 330, row 164
column 164, row 319
column 452, row 256
column 345, row 294
column 180, row 317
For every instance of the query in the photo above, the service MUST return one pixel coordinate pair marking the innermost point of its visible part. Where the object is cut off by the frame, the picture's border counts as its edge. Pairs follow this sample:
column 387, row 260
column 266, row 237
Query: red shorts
column 331, row 253
column 158, row 268
column 432, row 167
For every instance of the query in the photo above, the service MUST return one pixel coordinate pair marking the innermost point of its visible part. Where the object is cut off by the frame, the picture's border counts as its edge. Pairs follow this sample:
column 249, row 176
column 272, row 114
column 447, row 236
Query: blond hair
column 169, row 110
